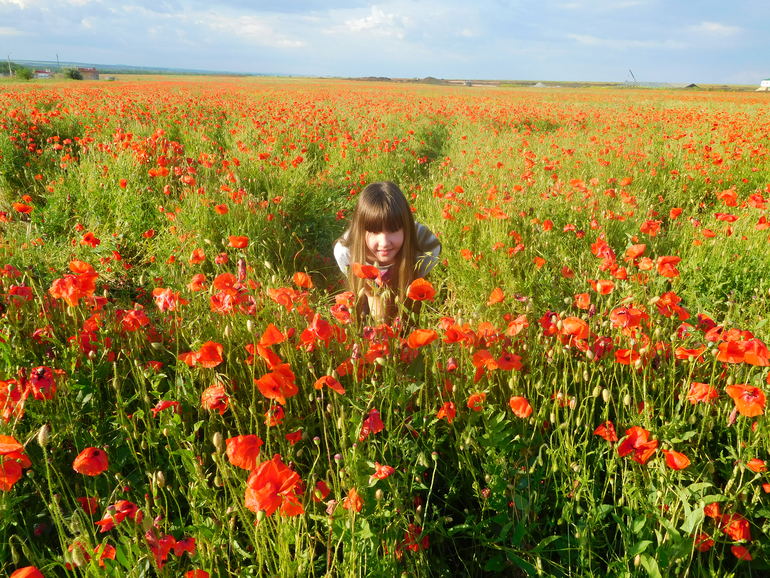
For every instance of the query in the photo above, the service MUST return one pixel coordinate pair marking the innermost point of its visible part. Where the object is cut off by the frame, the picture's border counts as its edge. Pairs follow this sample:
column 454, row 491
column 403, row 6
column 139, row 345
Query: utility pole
column 58, row 66
column 10, row 70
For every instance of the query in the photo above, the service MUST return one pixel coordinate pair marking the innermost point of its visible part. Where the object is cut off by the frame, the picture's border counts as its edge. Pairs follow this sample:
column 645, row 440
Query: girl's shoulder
column 428, row 249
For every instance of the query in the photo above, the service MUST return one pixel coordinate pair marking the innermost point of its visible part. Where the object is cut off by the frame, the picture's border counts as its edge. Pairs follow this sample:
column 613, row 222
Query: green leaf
column 649, row 564
column 639, row 547
column 692, row 520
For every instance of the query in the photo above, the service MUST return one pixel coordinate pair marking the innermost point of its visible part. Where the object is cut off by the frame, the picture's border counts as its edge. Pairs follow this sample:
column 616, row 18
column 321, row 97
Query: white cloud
column 714, row 29
column 379, row 22
column 257, row 30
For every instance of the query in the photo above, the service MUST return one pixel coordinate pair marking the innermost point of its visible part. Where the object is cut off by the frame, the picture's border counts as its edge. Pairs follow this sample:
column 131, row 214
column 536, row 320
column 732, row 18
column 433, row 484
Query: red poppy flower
column 448, row 411
column 676, row 460
column 702, row 392
column 741, row 552
column 520, row 406
column 243, row 451
column 703, row 542
column 496, row 296
column 421, row 337
column 197, row 256
column 372, row 424
column 353, row 501
column 421, row 290
column 273, row 485
column 637, row 441
column 271, row 336
column 382, row 471
column 574, row 327
column 736, row 527
column 757, row 465
column 476, row 401
column 302, row 280
column 321, row 491
column 606, row 430
column 89, row 505
column 215, row 398
column 749, row 400
column 364, row 271
column 10, row 473
column 91, row 462
column 238, row 242
column 209, row 355
column 278, row 384
column 331, row 383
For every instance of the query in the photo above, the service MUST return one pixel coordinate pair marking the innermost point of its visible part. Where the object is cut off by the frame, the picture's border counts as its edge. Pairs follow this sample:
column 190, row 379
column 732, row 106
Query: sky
column 678, row 41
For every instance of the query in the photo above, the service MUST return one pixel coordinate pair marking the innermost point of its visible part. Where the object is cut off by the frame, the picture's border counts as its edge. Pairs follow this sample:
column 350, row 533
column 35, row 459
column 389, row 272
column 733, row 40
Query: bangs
column 384, row 216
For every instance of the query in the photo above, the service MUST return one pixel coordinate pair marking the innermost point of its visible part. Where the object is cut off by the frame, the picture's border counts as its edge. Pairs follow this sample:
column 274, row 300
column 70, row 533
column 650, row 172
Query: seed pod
column 43, row 435
column 219, row 442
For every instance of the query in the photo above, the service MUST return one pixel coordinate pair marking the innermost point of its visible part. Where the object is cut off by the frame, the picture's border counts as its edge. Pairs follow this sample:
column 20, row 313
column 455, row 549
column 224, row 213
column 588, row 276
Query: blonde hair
column 382, row 207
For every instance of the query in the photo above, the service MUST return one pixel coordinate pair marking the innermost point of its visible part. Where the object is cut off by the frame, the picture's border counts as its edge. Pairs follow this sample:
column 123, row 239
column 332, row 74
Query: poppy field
column 186, row 391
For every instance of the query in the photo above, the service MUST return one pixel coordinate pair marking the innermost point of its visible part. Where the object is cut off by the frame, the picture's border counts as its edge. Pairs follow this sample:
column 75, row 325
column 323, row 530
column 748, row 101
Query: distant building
column 43, row 73
column 89, row 73
column 764, row 85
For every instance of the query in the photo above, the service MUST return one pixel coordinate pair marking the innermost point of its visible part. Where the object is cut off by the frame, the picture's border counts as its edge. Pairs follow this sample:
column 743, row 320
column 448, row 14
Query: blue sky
column 701, row 41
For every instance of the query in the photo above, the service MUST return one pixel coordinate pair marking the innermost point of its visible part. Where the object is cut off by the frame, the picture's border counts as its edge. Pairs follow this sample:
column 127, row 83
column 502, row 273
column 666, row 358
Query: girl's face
column 384, row 246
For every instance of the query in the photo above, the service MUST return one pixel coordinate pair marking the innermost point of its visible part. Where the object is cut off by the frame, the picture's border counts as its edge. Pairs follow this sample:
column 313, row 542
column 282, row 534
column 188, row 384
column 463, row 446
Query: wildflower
column 331, row 383
column 703, row 542
column 238, row 242
column 372, row 424
column 606, row 430
column 421, row 290
column 637, row 441
column 736, row 527
column 321, row 491
column 421, row 337
column 381, row 471
column 520, row 406
column 749, row 400
column 273, row 485
column 353, row 501
column 476, row 401
column 278, row 384
column 164, row 404
column 214, row 398
column 448, row 411
column 740, row 552
column 243, row 451
column 757, row 465
column 702, row 392
column 302, row 280
column 91, row 462
column 676, row 460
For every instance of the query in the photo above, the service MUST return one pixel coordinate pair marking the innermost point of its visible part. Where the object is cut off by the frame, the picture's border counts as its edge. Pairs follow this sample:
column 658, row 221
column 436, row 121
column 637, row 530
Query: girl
column 383, row 233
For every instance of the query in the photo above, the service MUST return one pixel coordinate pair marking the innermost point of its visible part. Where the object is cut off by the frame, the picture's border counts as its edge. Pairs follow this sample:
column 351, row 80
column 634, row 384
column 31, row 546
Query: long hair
column 382, row 207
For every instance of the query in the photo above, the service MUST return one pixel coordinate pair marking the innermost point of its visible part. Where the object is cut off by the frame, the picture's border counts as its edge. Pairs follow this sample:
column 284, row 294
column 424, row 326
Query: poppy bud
column 218, row 441
column 606, row 395
column 43, row 435
column 627, row 399
column 379, row 494
column 250, row 326
column 160, row 479
column 597, row 391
